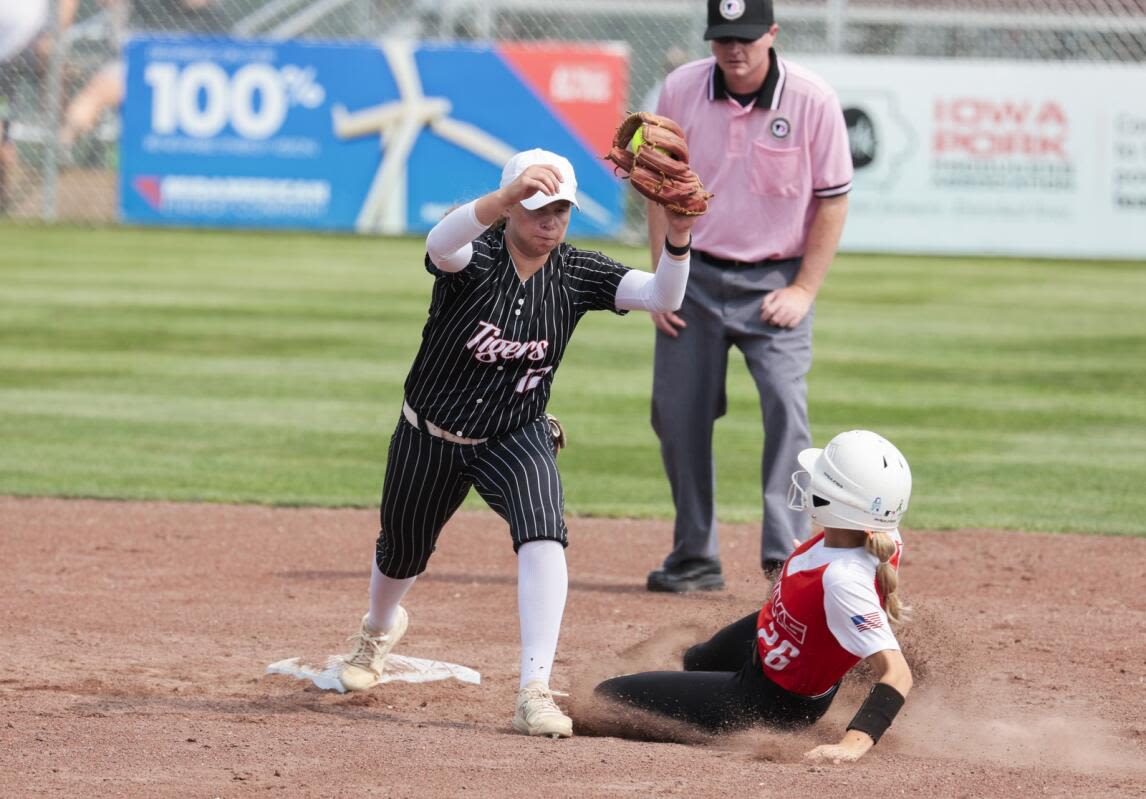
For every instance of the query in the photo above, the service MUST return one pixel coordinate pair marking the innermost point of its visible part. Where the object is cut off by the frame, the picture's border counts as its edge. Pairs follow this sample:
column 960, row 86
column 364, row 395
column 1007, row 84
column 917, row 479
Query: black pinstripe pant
column 427, row 478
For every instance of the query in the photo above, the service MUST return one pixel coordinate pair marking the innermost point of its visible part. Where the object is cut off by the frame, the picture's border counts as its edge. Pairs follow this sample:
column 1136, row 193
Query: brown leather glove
column 659, row 168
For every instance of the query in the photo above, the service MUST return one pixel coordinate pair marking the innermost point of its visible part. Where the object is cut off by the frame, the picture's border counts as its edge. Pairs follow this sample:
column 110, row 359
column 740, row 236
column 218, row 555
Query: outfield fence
column 61, row 92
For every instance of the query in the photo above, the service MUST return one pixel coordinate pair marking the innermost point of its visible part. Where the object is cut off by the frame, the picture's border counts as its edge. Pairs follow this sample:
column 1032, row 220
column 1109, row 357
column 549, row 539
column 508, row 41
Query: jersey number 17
column 531, row 379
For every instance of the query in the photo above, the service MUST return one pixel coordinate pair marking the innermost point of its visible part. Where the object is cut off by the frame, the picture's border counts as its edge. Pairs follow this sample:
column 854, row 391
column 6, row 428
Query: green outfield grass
column 268, row 368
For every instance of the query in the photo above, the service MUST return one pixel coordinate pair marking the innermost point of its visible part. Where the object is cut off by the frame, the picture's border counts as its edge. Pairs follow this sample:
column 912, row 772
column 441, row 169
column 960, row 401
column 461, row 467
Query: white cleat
column 538, row 714
column 362, row 667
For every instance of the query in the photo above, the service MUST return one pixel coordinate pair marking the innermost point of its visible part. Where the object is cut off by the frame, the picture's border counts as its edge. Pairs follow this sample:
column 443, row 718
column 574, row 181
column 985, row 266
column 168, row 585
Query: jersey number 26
column 781, row 654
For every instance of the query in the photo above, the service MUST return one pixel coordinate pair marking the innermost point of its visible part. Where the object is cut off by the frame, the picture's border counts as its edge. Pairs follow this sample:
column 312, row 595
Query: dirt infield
column 135, row 639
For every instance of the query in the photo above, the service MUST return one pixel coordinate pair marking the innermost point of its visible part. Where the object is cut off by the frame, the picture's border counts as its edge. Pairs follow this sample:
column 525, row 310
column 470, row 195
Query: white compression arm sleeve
column 658, row 291
column 449, row 244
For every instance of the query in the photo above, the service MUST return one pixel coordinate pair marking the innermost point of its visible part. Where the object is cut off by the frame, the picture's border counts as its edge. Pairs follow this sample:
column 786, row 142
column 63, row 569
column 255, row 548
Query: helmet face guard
column 860, row 481
column 798, row 491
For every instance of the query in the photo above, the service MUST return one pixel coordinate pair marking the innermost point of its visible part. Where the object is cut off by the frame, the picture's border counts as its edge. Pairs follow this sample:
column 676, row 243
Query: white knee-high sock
column 385, row 594
column 542, row 584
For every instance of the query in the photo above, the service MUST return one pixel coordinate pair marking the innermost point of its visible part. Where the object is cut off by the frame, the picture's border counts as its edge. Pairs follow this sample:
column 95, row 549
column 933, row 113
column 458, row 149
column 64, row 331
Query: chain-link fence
column 61, row 78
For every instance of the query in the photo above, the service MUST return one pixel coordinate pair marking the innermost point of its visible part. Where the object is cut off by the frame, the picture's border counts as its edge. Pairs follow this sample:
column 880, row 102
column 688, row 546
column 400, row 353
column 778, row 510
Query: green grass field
column 268, row 368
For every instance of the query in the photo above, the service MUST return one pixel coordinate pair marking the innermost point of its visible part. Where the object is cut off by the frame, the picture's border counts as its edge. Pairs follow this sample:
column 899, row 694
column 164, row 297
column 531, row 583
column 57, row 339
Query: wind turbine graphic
column 398, row 125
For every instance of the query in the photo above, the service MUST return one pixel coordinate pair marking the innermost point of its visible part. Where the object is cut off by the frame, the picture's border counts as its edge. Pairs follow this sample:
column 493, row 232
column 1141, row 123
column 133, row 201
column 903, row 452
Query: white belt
column 434, row 430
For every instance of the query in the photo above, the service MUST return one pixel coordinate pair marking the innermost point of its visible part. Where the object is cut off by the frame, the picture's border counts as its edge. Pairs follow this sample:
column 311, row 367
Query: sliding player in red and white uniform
column 830, row 608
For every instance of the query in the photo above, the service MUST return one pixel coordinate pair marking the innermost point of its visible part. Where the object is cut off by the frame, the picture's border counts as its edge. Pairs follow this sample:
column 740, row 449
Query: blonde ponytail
column 882, row 545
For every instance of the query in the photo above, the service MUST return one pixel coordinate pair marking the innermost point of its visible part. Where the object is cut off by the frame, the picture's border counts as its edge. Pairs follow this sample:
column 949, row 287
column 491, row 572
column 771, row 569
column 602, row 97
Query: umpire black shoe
column 695, row 575
column 772, row 568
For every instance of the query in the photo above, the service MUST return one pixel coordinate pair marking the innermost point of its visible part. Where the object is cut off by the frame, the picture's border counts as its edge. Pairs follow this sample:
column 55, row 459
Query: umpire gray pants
column 722, row 308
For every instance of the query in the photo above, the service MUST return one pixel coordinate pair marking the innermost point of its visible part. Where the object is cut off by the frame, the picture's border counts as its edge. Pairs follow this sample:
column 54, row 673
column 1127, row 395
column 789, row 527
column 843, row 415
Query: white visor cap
column 517, row 164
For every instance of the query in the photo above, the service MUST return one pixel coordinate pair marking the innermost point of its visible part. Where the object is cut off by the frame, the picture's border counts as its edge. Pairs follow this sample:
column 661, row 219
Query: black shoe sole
column 705, row 582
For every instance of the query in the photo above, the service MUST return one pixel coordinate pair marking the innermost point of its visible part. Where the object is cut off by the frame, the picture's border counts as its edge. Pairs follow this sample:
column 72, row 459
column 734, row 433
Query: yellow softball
column 638, row 141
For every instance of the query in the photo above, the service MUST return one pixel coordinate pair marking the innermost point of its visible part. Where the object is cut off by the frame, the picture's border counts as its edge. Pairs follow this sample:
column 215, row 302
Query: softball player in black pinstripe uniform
column 504, row 305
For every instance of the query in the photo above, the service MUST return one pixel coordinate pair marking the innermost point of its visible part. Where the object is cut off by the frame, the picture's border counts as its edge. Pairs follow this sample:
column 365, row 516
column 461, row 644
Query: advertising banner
column 378, row 138
column 1016, row 158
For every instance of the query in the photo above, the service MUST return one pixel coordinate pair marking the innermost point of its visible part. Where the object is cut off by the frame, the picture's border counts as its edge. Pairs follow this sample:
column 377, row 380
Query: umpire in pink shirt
column 768, row 138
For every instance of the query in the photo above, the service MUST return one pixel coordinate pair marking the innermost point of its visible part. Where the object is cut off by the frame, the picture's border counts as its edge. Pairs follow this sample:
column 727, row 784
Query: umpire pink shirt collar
column 768, row 96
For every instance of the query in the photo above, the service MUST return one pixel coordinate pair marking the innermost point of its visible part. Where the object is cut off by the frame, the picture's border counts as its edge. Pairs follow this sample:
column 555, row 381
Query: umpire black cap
column 743, row 19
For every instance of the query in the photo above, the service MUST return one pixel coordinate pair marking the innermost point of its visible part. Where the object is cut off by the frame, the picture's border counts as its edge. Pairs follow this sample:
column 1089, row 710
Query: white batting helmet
column 859, row 481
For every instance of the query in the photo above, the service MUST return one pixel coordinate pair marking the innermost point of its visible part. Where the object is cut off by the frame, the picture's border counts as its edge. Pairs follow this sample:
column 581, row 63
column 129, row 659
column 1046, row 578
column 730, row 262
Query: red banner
column 586, row 85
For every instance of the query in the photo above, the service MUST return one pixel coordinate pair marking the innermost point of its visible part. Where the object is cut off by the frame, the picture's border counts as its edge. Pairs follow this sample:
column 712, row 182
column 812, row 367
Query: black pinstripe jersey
column 491, row 344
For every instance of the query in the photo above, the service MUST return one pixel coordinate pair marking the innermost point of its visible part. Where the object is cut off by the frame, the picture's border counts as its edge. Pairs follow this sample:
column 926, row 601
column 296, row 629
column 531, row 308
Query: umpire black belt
column 729, row 263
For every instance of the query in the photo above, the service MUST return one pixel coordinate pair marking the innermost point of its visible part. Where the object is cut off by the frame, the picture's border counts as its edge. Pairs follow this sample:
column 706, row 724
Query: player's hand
column 668, row 322
column 681, row 224
column 544, row 178
column 834, row 754
column 850, row 749
column 786, row 307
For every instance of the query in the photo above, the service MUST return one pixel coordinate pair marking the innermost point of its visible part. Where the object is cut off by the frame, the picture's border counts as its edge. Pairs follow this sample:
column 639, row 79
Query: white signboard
column 1021, row 158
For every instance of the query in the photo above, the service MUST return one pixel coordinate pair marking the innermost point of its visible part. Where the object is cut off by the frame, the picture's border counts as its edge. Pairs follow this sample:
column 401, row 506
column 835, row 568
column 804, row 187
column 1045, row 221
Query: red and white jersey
column 824, row 616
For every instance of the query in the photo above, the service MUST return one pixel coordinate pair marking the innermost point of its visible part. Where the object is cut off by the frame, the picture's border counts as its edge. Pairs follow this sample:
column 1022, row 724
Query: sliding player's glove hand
column 651, row 152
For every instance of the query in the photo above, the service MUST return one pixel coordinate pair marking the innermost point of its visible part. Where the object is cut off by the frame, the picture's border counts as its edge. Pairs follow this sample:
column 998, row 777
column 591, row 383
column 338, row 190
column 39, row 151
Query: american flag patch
column 868, row 621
